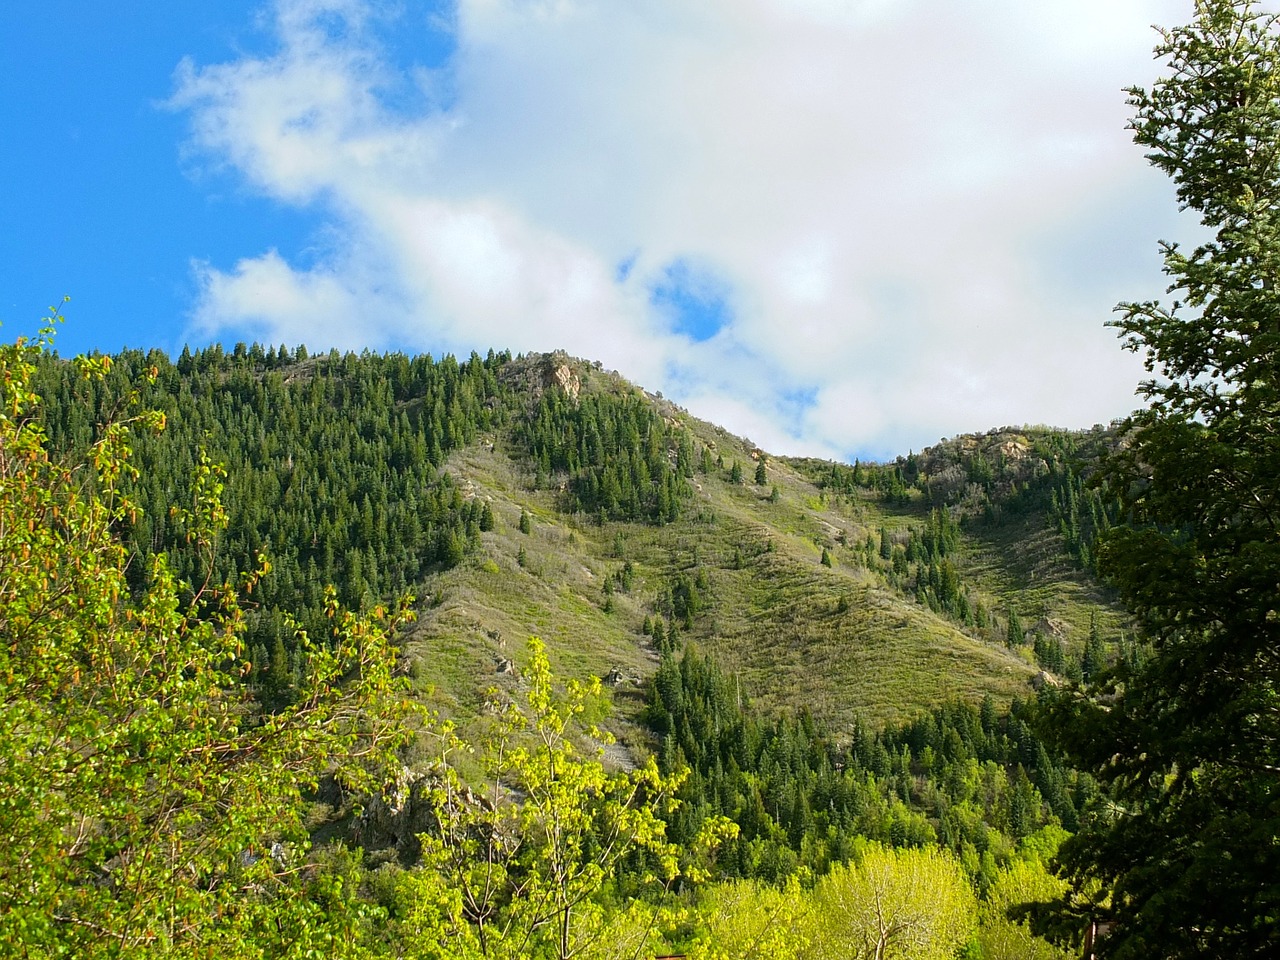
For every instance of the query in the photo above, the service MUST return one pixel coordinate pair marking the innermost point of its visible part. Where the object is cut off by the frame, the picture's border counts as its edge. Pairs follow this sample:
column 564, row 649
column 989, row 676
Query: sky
column 843, row 228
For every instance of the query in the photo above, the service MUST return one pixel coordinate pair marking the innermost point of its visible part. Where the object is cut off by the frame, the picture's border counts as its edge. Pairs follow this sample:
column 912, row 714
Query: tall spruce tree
column 1186, row 857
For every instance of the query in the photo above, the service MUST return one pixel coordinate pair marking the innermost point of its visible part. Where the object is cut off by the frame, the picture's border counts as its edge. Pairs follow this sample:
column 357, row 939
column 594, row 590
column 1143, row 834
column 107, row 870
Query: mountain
column 809, row 662
column 541, row 495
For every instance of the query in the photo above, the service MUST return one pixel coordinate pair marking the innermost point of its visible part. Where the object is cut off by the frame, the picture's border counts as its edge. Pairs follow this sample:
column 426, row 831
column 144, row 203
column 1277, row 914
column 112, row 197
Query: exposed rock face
column 407, row 808
column 1014, row 450
column 563, row 377
column 1045, row 679
column 397, row 815
column 1050, row 627
column 618, row 677
column 537, row 373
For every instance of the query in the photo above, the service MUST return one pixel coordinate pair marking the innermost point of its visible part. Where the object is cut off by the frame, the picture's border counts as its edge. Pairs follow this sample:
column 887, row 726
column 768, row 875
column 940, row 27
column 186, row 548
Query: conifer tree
column 1187, row 743
column 1014, row 635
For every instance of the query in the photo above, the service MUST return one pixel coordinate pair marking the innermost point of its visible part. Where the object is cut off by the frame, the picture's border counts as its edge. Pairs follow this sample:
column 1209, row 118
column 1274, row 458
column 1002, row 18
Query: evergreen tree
column 1094, row 658
column 1188, row 742
column 1014, row 635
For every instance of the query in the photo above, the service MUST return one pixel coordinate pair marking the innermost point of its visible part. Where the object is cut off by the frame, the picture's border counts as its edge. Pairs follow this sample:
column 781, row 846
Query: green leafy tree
column 1186, row 855
column 1025, row 881
column 913, row 903
column 523, row 864
column 148, row 806
column 746, row 920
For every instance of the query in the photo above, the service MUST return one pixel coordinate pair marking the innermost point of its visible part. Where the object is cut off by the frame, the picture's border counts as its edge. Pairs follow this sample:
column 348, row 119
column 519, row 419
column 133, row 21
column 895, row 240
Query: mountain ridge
column 809, row 592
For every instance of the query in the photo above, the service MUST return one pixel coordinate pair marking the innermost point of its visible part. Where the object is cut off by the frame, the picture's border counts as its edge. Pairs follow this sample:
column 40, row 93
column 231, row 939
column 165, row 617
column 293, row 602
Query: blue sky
column 844, row 227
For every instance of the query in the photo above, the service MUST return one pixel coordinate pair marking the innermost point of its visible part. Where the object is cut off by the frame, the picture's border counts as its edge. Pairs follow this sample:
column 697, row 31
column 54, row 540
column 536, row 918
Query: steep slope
column 836, row 640
column 544, row 496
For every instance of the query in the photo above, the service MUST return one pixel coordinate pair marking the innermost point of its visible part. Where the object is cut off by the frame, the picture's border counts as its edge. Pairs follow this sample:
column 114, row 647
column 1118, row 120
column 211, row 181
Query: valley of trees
column 219, row 740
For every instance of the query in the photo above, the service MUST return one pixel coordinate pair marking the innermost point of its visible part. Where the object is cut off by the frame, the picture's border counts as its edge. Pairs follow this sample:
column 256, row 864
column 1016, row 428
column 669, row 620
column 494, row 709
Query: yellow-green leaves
column 529, row 853
column 914, row 903
column 148, row 806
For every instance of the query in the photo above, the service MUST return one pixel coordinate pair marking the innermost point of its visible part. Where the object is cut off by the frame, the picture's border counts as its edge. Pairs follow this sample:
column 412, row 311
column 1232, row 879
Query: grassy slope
column 776, row 622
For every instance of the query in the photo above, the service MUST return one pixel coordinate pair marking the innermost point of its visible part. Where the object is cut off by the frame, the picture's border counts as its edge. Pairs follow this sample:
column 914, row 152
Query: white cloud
column 890, row 190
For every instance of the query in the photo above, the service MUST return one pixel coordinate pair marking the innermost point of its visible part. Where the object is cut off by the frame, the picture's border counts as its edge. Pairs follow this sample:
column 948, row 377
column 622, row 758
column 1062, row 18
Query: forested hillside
column 387, row 474
column 817, row 657
column 371, row 656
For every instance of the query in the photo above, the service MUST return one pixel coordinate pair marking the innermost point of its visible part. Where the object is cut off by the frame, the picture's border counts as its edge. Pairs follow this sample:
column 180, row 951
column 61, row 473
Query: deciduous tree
column 914, row 904
column 148, row 806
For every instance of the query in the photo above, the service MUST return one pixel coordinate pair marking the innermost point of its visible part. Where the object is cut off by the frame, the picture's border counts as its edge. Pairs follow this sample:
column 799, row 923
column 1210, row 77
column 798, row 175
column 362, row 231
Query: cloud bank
column 839, row 227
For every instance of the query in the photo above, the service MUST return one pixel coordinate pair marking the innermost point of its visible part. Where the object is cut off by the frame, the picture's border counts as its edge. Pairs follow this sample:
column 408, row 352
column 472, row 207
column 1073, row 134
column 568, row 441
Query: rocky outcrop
column 1050, row 627
column 537, row 373
column 410, row 805
column 1045, row 679
column 562, row 376
column 395, row 817
column 617, row 677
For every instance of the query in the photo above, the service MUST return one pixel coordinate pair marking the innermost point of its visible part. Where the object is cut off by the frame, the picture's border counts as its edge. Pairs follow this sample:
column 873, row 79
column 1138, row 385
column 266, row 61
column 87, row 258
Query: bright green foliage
column 746, row 920
column 909, row 904
column 1024, row 881
column 885, row 904
column 966, row 778
column 1187, row 855
column 517, row 871
column 148, row 806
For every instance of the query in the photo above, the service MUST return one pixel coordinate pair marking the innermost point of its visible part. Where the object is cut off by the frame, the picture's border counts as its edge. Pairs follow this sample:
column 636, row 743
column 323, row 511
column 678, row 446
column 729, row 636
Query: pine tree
column 1188, row 742
column 1014, row 635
